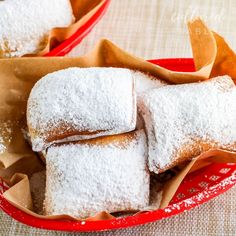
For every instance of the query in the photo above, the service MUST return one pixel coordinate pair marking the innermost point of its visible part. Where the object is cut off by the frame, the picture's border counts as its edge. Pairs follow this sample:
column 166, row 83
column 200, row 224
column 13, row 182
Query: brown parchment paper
column 212, row 57
column 83, row 10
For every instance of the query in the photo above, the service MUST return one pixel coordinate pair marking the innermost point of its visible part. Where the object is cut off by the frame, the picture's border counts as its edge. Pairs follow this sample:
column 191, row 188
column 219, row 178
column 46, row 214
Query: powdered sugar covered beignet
column 25, row 24
column 103, row 174
column 81, row 103
column 182, row 121
column 145, row 82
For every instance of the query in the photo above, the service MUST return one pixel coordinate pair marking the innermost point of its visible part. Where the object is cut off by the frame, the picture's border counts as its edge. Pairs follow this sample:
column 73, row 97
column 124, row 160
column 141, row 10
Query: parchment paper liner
column 212, row 57
column 83, row 10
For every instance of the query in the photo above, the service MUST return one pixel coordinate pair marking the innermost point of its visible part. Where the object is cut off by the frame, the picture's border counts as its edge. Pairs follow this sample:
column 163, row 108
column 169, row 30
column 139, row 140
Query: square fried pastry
column 81, row 103
column 183, row 121
column 103, row 174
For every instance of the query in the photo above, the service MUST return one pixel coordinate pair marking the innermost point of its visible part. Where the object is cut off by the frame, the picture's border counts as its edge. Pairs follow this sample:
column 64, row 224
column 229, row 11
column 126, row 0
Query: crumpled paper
column 212, row 57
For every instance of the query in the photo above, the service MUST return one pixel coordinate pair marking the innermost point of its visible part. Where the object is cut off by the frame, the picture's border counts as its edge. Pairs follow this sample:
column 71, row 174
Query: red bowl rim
column 139, row 219
column 67, row 45
column 129, row 221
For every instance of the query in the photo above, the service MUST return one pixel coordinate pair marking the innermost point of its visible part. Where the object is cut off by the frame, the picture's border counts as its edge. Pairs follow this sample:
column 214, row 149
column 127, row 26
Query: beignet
column 103, row 174
column 81, row 103
column 182, row 121
column 145, row 82
column 25, row 24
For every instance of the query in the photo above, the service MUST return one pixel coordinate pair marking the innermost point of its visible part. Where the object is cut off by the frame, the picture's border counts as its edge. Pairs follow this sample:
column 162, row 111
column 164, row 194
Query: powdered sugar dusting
column 5, row 135
column 2, row 146
column 145, row 82
column 84, row 179
column 82, row 100
column 25, row 24
column 179, row 116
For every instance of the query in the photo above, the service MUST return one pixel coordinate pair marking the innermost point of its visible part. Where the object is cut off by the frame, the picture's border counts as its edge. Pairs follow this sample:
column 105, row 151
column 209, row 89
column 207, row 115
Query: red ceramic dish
column 67, row 45
column 198, row 187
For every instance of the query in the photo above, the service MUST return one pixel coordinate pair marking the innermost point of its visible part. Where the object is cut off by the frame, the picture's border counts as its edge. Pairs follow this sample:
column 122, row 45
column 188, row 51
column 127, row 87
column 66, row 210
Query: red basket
column 198, row 187
column 67, row 45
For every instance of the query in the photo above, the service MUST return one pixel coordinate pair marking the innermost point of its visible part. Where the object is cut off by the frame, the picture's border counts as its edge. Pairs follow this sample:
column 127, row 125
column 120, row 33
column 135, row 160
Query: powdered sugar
column 178, row 116
column 2, row 146
column 5, row 135
column 25, row 24
column 81, row 100
column 83, row 179
column 145, row 82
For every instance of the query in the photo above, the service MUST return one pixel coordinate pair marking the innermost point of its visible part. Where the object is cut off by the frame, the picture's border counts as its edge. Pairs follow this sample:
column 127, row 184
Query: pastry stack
column 84, row 121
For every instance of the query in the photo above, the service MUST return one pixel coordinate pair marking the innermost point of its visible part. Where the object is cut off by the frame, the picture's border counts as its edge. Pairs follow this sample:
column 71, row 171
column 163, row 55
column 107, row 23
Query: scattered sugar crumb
column 5, row 135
